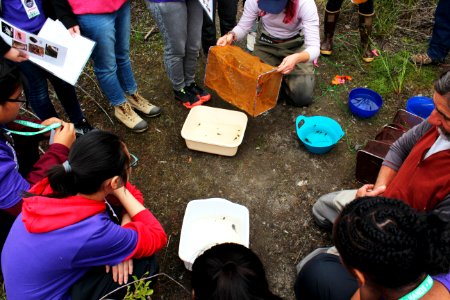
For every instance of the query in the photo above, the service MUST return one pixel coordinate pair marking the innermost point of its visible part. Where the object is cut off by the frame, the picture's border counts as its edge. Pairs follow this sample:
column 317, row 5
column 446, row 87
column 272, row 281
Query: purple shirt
column 444, row 279
column 45, row 265
column 14, row 13
column 12, row 184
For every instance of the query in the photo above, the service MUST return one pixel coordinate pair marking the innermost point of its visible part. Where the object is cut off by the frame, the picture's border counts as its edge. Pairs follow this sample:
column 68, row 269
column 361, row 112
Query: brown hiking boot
column 365, row 29
column 330, row 20
column 125, row 114
column 143, row 105
column 422, row 59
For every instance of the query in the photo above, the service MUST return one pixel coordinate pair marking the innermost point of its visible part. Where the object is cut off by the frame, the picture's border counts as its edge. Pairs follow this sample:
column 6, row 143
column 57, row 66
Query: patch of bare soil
column 272, row 173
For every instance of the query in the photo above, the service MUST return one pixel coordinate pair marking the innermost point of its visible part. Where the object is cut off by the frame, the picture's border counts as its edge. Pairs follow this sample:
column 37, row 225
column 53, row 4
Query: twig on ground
column 152, row 30
column 98, row 104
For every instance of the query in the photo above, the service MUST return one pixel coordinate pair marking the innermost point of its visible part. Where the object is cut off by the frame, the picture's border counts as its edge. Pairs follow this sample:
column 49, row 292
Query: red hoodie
column 44, row 214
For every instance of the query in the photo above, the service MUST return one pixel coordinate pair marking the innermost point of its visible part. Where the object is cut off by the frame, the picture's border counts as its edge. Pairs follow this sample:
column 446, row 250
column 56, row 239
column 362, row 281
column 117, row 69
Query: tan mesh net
column 242, row 79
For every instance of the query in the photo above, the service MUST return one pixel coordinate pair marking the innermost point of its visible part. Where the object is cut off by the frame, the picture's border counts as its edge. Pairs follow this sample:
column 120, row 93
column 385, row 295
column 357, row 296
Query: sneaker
column 82, row 127
column 187, row 98
column 422, row 59
column 143, row 105
column 125, row 114
column 196, row 90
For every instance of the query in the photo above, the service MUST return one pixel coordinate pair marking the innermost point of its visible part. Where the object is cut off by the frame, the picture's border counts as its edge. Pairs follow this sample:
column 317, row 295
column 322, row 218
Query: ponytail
column 93, row 158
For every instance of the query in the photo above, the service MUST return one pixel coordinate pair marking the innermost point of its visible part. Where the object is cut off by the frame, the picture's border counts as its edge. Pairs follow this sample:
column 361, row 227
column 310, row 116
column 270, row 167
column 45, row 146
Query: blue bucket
column 318, row 134
column 420, row 106
column 364, row 102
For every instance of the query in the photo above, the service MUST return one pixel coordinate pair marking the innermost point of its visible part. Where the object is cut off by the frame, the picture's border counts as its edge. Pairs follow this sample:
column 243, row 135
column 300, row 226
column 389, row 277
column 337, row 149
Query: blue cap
column 272, row 6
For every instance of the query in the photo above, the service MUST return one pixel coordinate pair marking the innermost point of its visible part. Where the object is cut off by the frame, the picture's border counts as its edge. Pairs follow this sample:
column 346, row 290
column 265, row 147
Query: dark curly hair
column 391, row 243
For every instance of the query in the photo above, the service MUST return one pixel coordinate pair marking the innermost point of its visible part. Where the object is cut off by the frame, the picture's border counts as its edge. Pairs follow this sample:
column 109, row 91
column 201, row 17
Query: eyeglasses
column 133, row 160
column 20, row 99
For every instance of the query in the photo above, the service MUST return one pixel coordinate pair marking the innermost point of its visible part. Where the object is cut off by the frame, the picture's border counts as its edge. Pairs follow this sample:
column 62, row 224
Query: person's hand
column 288, row 64
column 74, row 31
column 121, row 271
column 16, row 55
column 65, row 134
column 369, row 190
column 225, row 40
column 51, row 121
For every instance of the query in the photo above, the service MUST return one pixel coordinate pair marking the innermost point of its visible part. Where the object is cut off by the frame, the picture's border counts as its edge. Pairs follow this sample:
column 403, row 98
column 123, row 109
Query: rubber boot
column 330, row 20
column 365, row 29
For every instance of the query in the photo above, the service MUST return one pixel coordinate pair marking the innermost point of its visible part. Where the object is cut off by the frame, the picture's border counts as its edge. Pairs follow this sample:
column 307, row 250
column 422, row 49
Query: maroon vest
column 422, row 183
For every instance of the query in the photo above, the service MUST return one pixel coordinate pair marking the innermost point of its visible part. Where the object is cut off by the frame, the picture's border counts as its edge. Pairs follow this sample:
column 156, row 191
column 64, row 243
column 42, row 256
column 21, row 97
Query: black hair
column 230, row 272
column 93, row 158
column 442, row 85
column 391, row 243
column 10, row 80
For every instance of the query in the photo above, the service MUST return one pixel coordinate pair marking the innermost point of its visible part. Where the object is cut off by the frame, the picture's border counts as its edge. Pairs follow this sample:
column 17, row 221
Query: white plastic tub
column 209, row 222
column 214, row 130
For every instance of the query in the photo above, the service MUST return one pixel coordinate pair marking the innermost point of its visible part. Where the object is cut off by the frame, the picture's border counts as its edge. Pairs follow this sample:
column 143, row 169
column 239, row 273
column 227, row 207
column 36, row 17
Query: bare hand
column 225, row 40
column 74, row 31
column 65, row 135
column 121, row 271
column 16, row 55
column 369, row 190
column 288, row 64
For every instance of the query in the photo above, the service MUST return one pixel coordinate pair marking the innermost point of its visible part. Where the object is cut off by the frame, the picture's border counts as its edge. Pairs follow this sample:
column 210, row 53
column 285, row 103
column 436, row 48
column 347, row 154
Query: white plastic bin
column 209, row 222
column 214, row 130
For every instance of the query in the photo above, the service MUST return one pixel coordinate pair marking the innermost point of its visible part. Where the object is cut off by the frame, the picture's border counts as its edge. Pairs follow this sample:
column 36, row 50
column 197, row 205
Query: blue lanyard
column 33, row 125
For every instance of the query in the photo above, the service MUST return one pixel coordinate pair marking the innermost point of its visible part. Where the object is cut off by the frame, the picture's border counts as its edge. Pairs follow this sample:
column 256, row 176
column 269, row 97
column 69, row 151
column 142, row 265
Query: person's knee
column 324, row 277
column 300, row 89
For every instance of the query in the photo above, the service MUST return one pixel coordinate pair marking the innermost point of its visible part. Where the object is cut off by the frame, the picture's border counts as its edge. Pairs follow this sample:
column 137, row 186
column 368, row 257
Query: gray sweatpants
column 180, row 24
column 329, row 206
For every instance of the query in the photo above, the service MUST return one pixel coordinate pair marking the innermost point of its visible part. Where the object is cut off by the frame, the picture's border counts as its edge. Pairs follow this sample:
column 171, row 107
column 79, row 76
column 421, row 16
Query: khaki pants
column 297, row 85
column 329, row 206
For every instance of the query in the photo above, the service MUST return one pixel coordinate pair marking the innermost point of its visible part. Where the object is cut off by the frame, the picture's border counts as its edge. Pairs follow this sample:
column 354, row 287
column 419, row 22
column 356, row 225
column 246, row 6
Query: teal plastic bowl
column 319, row 134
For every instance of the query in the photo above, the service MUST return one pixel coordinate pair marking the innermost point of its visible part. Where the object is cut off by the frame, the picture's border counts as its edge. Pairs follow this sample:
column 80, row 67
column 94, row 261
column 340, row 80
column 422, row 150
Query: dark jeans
column 365, row 8
column 324, row 277
column 227, row 10
column 440, row 39
column 36, row 90
column 96, row 283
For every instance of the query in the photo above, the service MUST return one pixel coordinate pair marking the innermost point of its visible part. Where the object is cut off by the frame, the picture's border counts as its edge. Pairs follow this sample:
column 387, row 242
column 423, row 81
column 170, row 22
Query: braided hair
column 391, row 243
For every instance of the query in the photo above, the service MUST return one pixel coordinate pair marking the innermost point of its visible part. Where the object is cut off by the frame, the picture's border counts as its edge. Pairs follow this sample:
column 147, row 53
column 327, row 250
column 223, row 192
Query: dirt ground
column 272, row 174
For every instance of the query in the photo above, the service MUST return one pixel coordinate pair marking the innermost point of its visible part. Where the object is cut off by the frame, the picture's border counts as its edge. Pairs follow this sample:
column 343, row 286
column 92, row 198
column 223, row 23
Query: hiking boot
column 330, row 20
column 423, row 59
column 187, row 98
column 125, row 114
column 82, row 127
column 143, row 105
column 196, row 90
column 365, row 29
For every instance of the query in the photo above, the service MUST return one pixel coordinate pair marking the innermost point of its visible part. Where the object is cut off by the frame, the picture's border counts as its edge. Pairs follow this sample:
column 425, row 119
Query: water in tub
column 207, row 232
column 216, row 133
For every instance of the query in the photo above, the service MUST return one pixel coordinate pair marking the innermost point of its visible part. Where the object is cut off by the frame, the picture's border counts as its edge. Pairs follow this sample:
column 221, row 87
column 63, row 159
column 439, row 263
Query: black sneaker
column 187, row 98
column 195, row 89
column 83, row 127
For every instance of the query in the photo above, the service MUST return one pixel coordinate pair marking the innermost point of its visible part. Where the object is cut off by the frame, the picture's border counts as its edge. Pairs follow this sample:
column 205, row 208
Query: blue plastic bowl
column 420, row 106
column 318, row 134
column 364, row 103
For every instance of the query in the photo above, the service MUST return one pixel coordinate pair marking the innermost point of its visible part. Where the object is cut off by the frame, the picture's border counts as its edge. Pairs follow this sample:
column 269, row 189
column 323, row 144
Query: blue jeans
column 111, row 58
column 36, row 91
column 440, row 39
column 180, row 24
